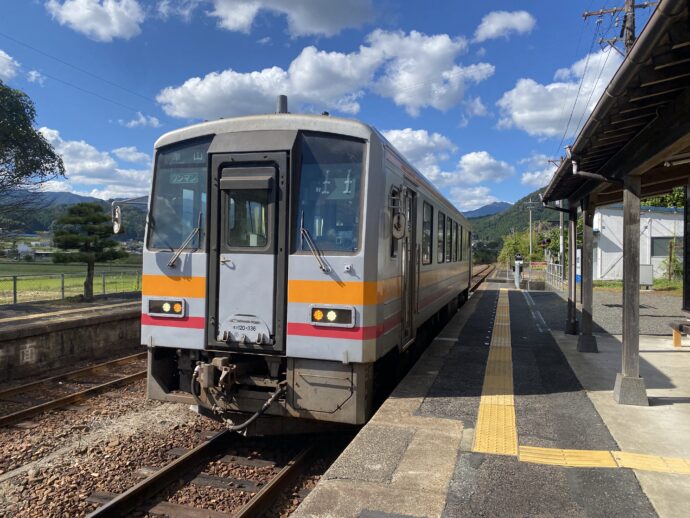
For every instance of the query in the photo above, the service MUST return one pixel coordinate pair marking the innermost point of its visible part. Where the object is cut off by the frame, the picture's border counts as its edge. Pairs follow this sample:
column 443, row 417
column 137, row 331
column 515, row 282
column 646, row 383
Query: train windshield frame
column 328, row 193
column 179, row 196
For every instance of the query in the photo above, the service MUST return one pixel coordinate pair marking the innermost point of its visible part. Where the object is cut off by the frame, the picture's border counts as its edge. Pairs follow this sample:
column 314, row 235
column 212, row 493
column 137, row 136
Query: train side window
column 441, row 233
column 461, row 240
column 449, row 239
column 395, row 209
column 458, row 240
column 427, row 233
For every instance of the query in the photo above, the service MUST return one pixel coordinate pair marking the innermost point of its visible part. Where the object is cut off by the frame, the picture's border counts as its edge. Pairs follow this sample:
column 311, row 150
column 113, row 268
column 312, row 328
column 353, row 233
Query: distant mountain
column 488, row 210
column 516, row 217
column 66, row 198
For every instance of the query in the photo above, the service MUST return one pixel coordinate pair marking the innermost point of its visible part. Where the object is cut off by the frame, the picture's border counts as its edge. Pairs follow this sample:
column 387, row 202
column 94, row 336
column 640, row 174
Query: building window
column 427, row 233
column 660, row 246
column 441, row 235
column 449, row 239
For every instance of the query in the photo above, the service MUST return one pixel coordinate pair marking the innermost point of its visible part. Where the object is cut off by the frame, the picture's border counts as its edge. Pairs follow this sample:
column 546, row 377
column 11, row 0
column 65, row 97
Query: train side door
column 249, row 253
column 408, row 265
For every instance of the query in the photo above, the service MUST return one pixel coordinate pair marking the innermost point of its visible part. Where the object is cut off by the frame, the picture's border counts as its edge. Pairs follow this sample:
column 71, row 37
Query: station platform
column 503, row 417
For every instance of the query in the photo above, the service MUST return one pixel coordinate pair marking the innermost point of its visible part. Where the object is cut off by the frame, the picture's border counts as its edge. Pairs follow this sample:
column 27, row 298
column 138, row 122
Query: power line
column 579, row 87
column 75, row 67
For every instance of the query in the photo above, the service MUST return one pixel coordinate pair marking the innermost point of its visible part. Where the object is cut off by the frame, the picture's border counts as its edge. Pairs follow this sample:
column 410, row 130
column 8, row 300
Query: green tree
column 26, row 158
column 675, row 198
column 86, row 232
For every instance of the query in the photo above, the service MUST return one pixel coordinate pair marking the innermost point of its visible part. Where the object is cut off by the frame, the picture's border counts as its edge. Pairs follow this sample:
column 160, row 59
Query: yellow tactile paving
column 568, row 458
column 496, row 430
column 652, row 462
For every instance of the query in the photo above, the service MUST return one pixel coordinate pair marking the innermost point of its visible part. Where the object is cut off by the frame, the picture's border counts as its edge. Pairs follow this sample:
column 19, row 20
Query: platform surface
column 503, row 417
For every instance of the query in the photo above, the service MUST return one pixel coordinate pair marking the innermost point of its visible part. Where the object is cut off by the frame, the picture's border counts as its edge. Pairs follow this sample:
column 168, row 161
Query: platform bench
column 679, row 328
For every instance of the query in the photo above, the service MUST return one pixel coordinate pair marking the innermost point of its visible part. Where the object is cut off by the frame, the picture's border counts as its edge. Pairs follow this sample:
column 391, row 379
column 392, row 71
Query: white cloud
column 423, row 149
column 131, row 154
column 542, row 110
column 415, row 70
column 34, row 76
column 501, row 24
column 539, row 170
column 421, row 71
column 470, row 198
column 100, row 20
column 80, row 158
column 8, row 66
column 141, row 120
column 304, row 17
column 180, row 8
column 480, row 166
column 87, row 168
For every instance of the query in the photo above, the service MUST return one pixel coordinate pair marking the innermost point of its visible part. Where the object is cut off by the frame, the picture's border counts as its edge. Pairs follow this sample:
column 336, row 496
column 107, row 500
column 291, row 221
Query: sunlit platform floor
column 503, row 417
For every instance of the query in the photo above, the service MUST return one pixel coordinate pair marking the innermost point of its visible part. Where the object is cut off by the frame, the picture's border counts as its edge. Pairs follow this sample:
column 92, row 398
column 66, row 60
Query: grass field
column 39, row 281
column 24, row 268
column 673, row 287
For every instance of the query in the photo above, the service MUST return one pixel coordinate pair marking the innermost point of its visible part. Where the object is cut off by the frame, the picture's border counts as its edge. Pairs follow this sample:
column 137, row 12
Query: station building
column 659, row 226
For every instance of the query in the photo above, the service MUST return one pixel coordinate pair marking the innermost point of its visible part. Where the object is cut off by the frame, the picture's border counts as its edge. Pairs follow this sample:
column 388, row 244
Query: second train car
column 285, row 256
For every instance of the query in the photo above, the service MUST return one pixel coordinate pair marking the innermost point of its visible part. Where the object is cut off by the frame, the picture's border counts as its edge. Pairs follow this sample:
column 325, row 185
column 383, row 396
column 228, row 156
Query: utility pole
column 530, row 205
column 628, row 26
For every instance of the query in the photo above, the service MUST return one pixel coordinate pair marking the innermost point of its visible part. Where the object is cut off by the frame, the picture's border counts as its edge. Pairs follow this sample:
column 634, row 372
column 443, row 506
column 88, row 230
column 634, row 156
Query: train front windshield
column 178, row 205
column 328, row 198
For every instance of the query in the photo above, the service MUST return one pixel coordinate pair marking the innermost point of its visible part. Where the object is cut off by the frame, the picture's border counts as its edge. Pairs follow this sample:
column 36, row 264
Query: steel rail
column 483, row 276
column 86, row 370
column 125, row 503
column 266, row 497
column 66, row 400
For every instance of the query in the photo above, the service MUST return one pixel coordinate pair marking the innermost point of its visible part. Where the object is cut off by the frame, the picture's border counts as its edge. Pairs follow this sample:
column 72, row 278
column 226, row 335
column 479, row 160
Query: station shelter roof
column 641, row 124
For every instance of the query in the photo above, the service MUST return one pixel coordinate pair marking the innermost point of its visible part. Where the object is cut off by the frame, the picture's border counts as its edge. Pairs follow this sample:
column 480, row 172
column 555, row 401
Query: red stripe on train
column 184, row 322
column 347, row 333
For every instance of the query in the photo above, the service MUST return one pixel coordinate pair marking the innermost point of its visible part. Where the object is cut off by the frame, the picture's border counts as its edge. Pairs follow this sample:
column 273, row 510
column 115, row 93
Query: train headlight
column 166, row 308
column 339, row 316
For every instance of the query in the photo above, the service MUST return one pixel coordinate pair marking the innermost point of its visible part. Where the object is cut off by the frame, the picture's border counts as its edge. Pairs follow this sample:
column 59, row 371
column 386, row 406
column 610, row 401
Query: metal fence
column 15, row 289
column 555, row 277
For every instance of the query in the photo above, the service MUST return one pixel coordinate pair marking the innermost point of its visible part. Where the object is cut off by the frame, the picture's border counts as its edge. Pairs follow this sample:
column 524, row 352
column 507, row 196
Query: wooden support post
column 587, row 342
column 571, row 326
column 630, row 388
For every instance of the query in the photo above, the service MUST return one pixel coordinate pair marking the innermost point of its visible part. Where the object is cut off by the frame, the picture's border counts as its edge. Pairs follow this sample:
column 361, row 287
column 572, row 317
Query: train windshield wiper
column 196, row 230
column 306, row 236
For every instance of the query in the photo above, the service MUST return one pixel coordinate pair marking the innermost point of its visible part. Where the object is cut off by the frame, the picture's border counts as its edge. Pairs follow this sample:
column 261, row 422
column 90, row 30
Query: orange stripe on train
column 310, row 292
column 164, row 286
column 354, row 293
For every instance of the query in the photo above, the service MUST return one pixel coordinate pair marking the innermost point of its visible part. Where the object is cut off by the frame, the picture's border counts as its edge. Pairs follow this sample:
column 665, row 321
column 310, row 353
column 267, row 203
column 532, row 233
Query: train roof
column 275, row 121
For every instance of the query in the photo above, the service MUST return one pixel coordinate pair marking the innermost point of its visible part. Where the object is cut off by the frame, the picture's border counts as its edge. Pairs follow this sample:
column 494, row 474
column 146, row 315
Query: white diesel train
column 286, row 258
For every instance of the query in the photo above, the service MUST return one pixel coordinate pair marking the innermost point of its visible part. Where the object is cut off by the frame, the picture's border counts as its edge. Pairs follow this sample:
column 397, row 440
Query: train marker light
column 337, row 316
column 166, row 308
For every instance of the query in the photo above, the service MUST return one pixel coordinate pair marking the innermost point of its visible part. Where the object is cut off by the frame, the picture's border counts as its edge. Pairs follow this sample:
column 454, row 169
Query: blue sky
column 476, row 94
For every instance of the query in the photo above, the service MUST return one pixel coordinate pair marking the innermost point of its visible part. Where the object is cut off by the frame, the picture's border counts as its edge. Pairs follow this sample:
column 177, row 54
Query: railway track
column 482, row 275
column 146, row 496
column 66, row 389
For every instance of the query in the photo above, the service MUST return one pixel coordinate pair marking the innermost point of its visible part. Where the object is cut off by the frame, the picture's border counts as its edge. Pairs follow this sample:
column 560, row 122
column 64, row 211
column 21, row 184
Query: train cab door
column 249, row 254
column 408, row 265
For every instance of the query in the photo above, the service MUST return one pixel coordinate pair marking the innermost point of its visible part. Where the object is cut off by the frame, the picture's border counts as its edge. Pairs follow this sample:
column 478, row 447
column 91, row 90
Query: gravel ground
column 657, row 309
column 51, row 464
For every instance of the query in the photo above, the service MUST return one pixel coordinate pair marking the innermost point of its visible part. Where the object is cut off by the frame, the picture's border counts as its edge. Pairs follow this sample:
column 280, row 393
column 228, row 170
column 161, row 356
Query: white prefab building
column 658, row 226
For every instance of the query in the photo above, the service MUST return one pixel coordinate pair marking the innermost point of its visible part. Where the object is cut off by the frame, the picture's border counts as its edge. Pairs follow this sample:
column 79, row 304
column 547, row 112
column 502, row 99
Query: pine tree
column 86, row 232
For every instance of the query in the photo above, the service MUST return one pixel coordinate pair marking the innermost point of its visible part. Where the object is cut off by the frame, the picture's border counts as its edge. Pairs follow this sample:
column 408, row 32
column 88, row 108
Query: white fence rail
column 555, row 277
column 15, row 289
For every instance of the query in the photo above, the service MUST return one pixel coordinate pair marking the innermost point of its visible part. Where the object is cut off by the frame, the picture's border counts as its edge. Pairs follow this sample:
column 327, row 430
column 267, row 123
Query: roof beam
column 665, row 136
